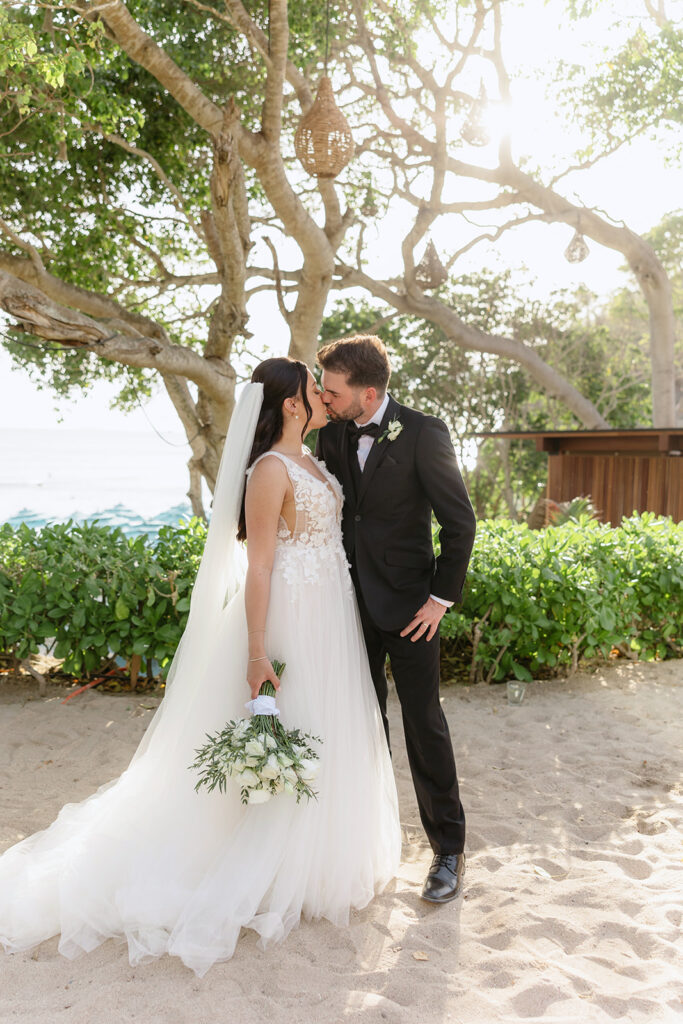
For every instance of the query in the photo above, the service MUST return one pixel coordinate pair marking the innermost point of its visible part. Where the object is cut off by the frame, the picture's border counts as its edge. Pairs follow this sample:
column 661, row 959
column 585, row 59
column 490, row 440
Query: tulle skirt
column 179, row 872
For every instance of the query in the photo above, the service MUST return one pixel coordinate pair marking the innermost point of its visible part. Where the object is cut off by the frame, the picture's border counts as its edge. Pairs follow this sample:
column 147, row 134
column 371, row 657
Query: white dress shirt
column 365, row 443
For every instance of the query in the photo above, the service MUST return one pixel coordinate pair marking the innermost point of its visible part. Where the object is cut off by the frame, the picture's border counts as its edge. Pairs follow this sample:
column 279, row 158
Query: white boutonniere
column 394, row 428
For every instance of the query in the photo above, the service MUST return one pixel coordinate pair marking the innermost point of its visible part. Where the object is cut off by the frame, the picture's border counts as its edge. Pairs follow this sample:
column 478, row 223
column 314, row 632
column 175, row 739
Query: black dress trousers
column 415, row 669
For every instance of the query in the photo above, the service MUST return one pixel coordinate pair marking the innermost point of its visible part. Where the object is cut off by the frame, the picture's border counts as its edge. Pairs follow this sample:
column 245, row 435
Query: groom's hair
column 362, row 358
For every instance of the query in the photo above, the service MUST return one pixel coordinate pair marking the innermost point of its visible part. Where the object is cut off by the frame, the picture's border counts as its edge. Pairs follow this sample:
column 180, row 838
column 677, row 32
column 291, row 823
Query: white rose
column 249, row 779
column 255, row 748
column 271, row 743
column 289, row 788
column 394, row 428
column 251, row 762
column 240, row 729
column 237, row 765
column 284, row 760
column 279, row 785
column 259, row 796
column 289, row 775
column 271, row 769
column 308, row 770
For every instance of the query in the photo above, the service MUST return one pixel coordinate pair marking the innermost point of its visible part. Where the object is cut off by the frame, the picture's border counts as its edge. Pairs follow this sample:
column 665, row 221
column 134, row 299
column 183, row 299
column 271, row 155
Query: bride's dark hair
column 282, row 378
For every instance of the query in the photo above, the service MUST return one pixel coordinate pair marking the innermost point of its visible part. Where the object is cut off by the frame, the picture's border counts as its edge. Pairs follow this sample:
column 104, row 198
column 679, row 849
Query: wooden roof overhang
column 646, row 441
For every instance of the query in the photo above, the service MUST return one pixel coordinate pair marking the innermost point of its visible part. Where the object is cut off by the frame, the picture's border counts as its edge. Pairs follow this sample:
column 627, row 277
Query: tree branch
column 271, row 118
column 469, row 337
column 42, row 317
column 142, row 49
column 176, row 196
column 90, row 303
column 284, row 312
column 33, row 253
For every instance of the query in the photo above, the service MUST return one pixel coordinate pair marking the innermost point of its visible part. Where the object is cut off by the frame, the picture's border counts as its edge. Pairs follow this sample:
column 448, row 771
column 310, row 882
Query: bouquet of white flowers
column 259, row 753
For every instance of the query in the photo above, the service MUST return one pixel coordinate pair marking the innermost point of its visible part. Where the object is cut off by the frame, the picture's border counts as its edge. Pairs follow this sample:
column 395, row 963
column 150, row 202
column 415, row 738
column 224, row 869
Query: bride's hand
column 258, row 672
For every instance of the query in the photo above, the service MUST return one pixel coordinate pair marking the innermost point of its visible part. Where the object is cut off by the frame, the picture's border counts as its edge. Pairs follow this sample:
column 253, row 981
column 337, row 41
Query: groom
column 397, row 466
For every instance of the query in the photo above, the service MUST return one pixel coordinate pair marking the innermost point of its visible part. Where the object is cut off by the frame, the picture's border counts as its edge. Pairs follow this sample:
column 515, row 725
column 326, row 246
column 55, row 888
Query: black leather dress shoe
column 444, row 880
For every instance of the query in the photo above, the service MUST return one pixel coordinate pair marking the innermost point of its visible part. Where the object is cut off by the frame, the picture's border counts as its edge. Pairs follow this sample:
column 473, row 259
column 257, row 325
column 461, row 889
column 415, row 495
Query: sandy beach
column 573, row 895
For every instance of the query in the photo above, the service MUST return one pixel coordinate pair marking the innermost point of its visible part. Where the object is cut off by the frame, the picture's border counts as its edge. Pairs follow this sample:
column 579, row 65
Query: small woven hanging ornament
column 430, row 271
column 475, row 131
column 577, row 250
column 369, row 207
column 323, row 140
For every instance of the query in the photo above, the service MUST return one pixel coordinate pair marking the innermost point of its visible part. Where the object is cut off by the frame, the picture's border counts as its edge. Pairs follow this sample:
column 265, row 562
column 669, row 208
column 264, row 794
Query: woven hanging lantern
column 369, row 207
column 474, row 131
column 430, row 271
column 577, row 250
column 323, row 140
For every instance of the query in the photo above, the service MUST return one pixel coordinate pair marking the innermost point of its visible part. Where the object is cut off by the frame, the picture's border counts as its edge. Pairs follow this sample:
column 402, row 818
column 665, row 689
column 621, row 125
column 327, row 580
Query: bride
column 174, row 871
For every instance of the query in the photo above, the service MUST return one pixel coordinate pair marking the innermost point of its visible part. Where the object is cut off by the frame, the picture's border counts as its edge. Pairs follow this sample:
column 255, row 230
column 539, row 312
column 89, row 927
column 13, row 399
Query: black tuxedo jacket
column 387, row 522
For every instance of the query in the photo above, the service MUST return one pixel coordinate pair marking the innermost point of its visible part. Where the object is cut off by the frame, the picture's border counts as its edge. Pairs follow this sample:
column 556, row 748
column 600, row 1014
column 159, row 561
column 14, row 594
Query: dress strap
column 283, row 459
column 298, row 475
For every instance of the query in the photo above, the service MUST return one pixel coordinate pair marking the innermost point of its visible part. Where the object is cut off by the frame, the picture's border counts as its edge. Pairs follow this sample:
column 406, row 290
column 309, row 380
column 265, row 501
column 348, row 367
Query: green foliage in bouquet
column 261, row 755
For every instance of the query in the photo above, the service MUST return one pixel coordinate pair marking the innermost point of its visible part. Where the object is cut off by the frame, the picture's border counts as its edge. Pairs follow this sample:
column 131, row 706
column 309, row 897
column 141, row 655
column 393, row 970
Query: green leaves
column 538, row 601
column 635, row 91
column 520, row 672
column 535, row 601
column 91, row 594
column 601, row 347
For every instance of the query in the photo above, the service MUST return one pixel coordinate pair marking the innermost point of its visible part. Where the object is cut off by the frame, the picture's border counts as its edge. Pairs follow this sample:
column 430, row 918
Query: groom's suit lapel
column 378, row 451
column 347, row 481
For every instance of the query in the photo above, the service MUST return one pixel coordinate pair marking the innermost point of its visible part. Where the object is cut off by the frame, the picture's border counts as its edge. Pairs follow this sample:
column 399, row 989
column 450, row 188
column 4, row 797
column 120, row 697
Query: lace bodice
column 311, row 549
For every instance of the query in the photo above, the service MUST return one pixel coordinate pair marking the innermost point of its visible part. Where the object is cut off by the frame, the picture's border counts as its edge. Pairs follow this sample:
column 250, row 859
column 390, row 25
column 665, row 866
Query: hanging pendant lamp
column 430, row 271
column 323, row 140
column 577, row 250
column 475, row 131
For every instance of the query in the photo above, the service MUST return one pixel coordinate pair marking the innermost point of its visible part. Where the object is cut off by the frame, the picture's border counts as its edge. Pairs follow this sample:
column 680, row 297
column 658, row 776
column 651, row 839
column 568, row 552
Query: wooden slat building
column 623, row 471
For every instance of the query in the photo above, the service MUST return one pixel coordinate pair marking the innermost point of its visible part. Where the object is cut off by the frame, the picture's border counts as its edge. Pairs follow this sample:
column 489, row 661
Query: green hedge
column 535, row 601
column 98, row 593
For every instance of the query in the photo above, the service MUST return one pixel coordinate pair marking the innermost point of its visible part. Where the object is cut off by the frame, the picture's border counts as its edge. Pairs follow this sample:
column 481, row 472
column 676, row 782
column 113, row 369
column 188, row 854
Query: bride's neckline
column 320, row 467
column 290, row 455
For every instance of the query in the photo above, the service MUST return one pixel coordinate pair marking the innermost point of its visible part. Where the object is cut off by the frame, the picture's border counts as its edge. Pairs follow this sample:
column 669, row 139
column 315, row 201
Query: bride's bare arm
column 266, row 491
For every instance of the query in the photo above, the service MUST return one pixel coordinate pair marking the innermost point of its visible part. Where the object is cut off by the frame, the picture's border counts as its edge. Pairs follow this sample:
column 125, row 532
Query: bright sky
column 634, row 185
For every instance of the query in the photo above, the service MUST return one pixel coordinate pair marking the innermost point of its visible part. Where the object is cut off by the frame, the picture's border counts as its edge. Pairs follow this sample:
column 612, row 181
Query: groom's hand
column 426, row 620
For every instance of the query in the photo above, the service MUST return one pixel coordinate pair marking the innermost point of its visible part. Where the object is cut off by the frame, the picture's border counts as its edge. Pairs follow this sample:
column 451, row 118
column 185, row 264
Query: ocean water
column 122, row 478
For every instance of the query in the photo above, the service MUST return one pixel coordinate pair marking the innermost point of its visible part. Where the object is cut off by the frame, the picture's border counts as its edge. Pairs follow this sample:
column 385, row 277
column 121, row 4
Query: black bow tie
column 355, row 433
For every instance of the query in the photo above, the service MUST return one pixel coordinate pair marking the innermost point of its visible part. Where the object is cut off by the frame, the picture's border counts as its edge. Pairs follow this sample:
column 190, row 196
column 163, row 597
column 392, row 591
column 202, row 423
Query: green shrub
column 90, row 593
column 536, row 602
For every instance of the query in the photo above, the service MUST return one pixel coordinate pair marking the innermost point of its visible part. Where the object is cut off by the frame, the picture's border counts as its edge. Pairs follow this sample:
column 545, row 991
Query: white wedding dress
column 179, row 872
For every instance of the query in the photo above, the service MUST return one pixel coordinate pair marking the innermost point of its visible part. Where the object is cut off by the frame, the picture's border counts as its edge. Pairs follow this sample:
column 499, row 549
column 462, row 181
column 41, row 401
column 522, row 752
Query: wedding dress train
column 179, row 872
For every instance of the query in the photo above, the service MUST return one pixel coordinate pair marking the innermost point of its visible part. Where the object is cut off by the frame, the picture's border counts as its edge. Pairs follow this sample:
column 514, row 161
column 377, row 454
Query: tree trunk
column 503, row 444
column 656, row 288
column 205, row 424
column 306, row 318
